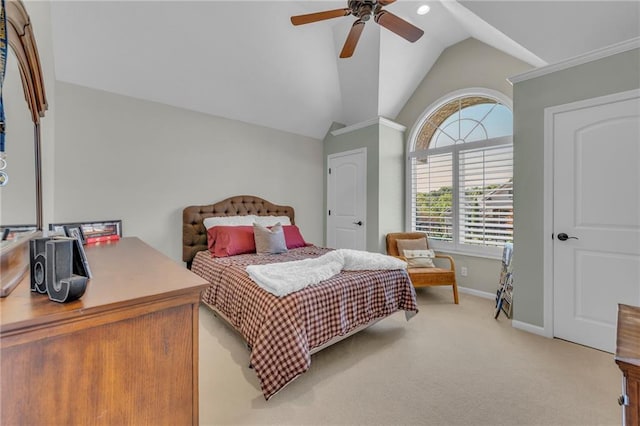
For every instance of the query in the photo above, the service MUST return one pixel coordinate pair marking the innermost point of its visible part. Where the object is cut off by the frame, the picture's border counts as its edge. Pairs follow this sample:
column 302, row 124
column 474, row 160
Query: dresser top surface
column 124, row 273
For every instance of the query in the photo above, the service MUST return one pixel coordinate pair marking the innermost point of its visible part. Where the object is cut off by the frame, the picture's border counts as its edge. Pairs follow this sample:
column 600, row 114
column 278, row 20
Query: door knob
column 622, row 400
column 564, row 237
column 359, row 223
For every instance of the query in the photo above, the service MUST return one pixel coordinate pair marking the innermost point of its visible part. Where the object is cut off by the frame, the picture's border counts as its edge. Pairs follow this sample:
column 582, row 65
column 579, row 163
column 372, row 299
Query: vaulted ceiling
column 244, row 60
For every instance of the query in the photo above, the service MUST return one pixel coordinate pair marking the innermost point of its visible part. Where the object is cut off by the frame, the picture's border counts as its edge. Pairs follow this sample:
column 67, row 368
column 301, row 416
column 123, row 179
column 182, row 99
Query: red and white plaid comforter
column 281, row 331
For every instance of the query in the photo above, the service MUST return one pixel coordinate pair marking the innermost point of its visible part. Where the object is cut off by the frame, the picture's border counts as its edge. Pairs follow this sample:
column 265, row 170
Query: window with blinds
column 486, row 196
column 461, row 176
column 432, row 203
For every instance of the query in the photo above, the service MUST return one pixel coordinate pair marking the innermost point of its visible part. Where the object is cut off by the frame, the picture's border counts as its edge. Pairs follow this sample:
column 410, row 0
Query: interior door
column 596, row 217
column 346, row 199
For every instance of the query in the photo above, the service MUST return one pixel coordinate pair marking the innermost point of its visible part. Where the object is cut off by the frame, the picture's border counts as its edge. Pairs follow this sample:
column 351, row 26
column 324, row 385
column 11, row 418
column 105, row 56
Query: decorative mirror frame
column 23, row 44
column 14, row 257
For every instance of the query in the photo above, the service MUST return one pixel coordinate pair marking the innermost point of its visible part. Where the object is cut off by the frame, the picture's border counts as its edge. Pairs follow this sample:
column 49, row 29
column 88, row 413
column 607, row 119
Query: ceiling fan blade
column 319, row 16
column 352, row 39
column 399, row 26
column 385, row 2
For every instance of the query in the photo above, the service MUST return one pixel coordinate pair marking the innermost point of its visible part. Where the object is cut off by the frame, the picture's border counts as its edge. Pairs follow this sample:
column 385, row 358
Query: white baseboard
column 524, row 326
column 474, row 292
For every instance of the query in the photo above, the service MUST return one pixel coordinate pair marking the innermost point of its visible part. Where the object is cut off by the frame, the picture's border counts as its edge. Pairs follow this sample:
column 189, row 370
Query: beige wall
column 366, row 137
column 385, row 176
column 390, row 183
column 613, row 74
column 467, row 64
column 122, row 158
column 17, row 197
column 40, row 13
column 142, row 162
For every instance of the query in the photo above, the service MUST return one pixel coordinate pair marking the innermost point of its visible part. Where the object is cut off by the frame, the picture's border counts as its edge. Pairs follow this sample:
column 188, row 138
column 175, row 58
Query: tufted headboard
column 194, row 234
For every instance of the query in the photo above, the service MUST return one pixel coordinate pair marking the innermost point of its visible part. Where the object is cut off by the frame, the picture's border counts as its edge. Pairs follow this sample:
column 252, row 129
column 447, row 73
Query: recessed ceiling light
column 424, row 9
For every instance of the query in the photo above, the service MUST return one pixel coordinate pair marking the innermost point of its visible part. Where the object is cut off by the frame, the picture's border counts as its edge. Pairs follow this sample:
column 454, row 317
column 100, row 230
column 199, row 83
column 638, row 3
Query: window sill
column 468, row 254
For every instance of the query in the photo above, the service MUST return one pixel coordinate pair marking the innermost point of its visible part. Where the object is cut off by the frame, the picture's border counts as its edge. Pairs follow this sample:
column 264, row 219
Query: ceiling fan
column 363, row 10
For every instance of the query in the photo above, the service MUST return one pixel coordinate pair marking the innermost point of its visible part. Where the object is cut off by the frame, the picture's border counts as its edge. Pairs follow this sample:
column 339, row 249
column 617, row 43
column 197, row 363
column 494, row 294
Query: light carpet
column 449, row 365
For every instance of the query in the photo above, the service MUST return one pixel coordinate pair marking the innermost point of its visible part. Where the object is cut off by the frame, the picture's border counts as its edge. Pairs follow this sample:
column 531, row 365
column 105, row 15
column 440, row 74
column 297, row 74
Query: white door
column 346, row 199
column 596, row 203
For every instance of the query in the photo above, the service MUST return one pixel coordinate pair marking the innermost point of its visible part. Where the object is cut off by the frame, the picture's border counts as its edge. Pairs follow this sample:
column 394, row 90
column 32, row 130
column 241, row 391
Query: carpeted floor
column 449, row 365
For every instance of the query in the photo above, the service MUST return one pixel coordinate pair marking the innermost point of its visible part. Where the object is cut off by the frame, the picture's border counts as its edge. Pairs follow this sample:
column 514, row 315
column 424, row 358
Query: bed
column 283, row 332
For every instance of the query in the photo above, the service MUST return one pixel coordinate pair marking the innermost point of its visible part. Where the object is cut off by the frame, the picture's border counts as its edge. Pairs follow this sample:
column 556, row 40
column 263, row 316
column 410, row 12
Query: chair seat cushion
column 431, row 276
column 429, row 271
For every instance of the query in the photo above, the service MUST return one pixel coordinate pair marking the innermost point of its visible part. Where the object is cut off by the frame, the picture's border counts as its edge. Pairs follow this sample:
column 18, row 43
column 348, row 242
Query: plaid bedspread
column 282, row 331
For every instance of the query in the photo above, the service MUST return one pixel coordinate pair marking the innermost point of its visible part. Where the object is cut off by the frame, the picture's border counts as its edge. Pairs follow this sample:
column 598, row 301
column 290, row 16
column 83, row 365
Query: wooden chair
column 422, row 277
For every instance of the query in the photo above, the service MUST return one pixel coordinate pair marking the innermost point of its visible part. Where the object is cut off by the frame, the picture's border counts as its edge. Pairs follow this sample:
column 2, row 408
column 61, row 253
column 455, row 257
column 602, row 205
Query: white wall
column 122, row 158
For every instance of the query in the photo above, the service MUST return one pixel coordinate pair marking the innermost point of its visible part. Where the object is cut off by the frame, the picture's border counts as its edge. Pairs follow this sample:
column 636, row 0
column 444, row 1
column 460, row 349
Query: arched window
column 460, row 173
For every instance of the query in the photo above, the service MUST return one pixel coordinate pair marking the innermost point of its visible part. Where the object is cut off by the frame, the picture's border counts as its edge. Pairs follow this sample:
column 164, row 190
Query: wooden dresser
column 125, row 353
column 628, row 359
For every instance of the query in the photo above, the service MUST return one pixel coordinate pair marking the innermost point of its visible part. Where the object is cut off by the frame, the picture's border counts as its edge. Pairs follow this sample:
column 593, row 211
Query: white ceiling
column 244, row 60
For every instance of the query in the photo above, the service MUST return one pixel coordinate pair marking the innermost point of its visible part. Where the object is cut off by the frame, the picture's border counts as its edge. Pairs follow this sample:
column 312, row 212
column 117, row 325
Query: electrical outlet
column 463, row 271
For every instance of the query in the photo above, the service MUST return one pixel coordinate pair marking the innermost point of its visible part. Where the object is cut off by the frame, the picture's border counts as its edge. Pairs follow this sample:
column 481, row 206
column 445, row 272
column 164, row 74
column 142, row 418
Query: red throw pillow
column 293, row 237
column 211, row 237
column 226, row 241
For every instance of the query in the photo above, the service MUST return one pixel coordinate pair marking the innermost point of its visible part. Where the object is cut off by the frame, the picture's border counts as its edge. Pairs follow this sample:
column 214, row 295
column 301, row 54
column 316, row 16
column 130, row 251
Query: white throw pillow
column 419, row 258
column 269, row 241
column 246, row 220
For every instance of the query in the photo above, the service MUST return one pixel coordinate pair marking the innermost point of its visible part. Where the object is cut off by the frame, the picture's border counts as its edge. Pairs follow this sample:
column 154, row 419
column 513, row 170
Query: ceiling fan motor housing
column 362, row 9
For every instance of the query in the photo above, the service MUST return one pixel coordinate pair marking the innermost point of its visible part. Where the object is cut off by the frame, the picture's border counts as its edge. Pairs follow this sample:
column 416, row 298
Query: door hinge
column 329, row 170
column 329, row 212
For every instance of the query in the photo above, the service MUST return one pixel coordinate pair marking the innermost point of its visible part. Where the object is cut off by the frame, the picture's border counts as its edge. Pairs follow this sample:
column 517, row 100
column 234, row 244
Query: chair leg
column 455, row 292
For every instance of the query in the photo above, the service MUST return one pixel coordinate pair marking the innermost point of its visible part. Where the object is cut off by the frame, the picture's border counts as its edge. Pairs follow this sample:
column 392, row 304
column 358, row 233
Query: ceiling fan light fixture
column 423, row 9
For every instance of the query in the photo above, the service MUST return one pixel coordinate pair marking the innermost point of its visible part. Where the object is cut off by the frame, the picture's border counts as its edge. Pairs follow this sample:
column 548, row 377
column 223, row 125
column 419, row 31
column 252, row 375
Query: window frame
column 453, row 246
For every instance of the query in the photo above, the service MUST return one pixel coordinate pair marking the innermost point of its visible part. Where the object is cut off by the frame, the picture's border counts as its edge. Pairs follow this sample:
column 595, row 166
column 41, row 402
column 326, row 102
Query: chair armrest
column 449, row 258
column 398, row 257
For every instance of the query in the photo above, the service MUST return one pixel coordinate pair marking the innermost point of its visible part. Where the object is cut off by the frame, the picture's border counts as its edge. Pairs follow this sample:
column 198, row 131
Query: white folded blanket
column 287, row 277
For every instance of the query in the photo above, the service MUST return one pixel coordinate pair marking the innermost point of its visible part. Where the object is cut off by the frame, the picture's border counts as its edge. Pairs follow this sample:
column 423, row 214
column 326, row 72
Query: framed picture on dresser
column 74, row 231
column 91, row 231
column 10, row 232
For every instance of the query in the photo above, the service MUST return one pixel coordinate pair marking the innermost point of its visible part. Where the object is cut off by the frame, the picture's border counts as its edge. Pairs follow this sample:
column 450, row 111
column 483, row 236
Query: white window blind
column 432, row 209
column 485, row 196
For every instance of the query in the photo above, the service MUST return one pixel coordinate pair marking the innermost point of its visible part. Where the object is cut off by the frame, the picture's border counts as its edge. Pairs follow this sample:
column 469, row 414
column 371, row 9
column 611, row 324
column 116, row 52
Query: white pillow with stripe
column 419, row 258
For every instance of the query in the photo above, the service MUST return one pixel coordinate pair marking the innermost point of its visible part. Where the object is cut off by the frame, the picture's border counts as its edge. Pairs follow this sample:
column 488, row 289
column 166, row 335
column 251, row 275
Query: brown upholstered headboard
column 194, row 234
